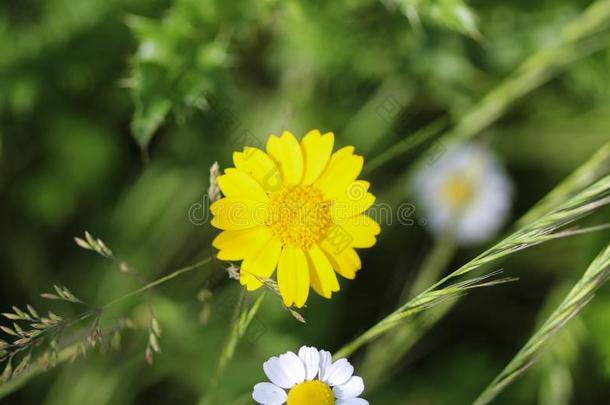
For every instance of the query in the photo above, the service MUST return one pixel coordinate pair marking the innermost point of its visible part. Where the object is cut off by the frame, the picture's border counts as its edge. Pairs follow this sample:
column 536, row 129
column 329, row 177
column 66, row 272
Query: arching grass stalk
column 536, row 70
column 585, row 35
column 554, row 375
column 420, row 303
column 547, row 227
column 595, row 276
column 433, row 266
column 379, row 358
column 384, row 353
column 592, row 170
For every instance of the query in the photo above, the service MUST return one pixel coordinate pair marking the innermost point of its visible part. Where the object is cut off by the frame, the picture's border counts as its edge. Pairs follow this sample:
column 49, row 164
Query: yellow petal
column 260, row 166
column 316, row 151
column 323, row 278
column 362, row 230
column 293, row 276
column 239, row 184
column 287, row 153
column 336, row 240
column 351, row 201
column 260, row 263
column 232, row 213
column 343, row 168
column 344, row 259
column 236, row 245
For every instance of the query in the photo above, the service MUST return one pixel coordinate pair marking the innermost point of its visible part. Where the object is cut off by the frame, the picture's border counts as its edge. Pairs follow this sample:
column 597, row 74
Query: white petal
column 293, row 367
column 311, row 359
column 269, row 394
column 351, row 389
column 489, row 205
column 276, row 373
column 353, row 401
column 325, row 362
column 339, row 372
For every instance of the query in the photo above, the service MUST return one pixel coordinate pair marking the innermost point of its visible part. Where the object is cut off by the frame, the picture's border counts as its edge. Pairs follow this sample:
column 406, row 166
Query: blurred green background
column 112, row 112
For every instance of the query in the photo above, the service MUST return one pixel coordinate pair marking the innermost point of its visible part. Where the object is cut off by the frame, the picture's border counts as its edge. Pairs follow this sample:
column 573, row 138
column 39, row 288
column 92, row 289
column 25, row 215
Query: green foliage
column 595, row 276
column 452, row 14
column 547, row 227
column 181, row 58
column 597, row 316
column 86, row 85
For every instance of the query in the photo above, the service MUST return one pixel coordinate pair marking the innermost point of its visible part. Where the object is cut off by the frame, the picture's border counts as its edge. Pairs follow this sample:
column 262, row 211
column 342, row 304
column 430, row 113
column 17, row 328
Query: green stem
column 580, row 295
column 239, row 327
column 407, row 144
column 592, row 170
column 384, row 354
column 540, row 231
column 159, row 281
column 67, row 353
column 436, row 261
column 583, row 36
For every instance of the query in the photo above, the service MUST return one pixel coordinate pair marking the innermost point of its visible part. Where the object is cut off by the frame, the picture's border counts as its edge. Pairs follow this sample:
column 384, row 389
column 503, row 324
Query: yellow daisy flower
column 298, row 208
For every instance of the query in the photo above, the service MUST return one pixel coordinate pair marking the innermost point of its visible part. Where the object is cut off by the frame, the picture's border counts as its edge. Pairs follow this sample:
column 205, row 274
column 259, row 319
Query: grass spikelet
column 582, row 292
column 545, row 228
column 590, row 171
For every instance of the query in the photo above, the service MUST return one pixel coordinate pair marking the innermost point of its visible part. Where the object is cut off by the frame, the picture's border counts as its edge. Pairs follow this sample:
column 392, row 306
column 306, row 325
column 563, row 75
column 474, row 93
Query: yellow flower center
column 311, row 393
column 457, row 191
column 300, row 216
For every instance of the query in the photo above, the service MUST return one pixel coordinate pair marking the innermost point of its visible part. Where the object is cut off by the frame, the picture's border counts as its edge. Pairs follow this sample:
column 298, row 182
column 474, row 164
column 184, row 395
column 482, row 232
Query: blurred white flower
column 468, row 190
column 309, row 378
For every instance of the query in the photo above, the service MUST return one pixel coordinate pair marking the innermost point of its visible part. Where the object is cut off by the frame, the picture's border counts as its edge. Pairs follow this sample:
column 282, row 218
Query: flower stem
column 434, row 264
column 242, row 319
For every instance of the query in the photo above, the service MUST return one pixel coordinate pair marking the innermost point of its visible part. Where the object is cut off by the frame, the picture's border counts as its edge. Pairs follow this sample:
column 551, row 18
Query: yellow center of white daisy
column 300, row 216
column 457, row 191
column 311, row 393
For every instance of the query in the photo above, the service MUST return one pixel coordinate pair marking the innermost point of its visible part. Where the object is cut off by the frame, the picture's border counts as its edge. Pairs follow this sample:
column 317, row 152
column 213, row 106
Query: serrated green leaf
column 152, row 104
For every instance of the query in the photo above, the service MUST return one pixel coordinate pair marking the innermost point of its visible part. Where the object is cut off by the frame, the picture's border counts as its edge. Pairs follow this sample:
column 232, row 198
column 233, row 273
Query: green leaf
column 152, row 105
column 179, row 58
column 454, row 15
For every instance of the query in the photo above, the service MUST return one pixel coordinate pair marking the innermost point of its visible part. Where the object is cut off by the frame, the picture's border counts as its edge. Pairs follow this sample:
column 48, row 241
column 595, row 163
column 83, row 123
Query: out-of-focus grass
column 74, row 75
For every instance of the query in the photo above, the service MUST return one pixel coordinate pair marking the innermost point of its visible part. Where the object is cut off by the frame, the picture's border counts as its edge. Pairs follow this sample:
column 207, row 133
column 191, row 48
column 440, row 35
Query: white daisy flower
column 309, row 378
column 468, row 190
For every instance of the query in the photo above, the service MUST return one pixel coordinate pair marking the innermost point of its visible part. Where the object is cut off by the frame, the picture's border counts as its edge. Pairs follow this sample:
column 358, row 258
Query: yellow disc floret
column 457, row 191
column 311, row 393
column 300, row 216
